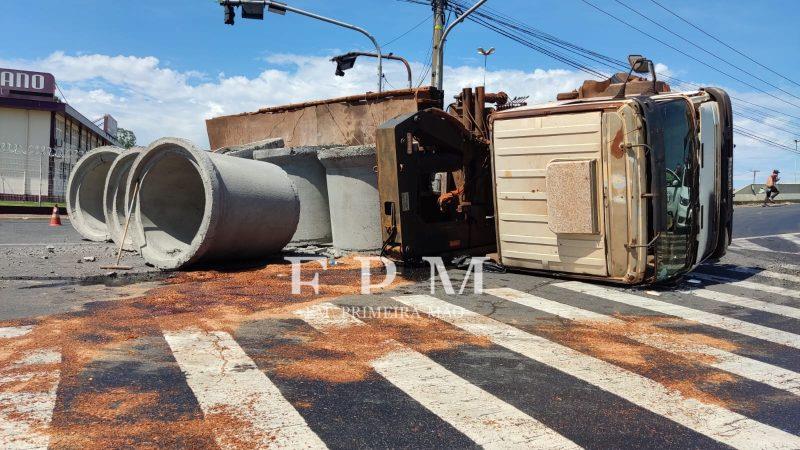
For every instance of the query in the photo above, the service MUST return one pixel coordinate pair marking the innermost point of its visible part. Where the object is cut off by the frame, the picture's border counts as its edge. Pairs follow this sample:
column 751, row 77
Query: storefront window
column 59, row 137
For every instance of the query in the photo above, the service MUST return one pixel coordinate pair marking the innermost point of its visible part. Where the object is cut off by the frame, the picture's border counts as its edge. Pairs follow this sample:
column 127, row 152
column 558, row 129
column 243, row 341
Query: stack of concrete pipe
column 194, row 206
column 188, row 205
column 338, row 188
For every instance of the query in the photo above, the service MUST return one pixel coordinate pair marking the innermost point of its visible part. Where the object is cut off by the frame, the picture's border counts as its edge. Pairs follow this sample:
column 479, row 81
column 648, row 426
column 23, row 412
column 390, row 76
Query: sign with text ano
column 25, row 83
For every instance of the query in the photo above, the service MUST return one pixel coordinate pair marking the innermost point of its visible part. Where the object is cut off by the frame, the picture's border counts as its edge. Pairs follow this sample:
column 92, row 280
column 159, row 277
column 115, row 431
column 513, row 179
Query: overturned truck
column 621, row 180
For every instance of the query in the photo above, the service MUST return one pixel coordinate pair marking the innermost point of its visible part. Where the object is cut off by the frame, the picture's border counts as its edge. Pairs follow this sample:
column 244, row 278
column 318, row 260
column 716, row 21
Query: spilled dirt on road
column 208, row 300
column 685, row 368
column 343, row 355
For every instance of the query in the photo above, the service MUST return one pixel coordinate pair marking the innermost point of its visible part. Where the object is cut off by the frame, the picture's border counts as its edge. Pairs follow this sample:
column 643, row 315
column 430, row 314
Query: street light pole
column 485, row 54
column 281, row 8
column 392, row 56
column 795, row 159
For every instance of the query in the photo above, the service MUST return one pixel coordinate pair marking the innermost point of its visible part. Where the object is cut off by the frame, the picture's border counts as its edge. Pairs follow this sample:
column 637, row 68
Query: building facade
column 41, row 137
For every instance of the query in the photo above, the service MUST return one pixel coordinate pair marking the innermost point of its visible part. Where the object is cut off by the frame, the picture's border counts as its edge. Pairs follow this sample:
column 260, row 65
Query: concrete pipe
column 308, row 176
column 197, row 206
column 246, row 150
column 114, row 197
column 85, row 189
column 353, row 197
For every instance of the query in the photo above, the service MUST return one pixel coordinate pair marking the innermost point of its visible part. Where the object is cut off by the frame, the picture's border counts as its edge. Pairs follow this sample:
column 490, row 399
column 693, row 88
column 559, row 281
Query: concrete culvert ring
column 196, row 206
column 85, row 190
column 114, row 196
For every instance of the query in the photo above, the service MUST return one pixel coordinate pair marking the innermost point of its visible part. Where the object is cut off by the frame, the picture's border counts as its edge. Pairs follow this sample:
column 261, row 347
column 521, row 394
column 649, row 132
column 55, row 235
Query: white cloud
column 154, row 100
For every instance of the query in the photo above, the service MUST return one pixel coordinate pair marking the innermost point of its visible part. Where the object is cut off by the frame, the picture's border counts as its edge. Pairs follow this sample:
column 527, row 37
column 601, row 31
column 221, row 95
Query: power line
column 635, row 11
column 721, row 42
column 761, row 122
column 406, row 33
column 517, row 31
column 503, row 20
column 763, row 140
column 699, row 61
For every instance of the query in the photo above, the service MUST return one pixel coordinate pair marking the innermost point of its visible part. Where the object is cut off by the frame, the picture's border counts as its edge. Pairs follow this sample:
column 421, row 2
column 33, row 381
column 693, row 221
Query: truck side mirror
column 639, row 63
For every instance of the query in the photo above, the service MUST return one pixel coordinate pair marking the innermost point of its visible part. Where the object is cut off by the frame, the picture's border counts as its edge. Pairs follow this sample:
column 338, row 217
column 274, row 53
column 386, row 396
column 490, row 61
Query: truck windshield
column 672, row 248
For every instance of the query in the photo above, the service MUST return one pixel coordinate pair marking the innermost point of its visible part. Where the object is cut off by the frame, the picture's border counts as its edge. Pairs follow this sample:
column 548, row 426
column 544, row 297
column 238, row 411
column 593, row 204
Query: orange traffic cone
column 55, row 219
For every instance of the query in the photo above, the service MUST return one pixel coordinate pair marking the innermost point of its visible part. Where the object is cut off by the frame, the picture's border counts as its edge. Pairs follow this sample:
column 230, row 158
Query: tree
column 126, row 138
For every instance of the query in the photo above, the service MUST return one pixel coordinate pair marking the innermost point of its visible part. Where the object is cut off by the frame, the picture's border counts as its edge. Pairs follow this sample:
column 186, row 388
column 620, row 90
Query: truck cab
column 629, row 187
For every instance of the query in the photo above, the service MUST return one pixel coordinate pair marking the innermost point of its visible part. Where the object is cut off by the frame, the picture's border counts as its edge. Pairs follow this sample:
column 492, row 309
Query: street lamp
column 485, row 54
column 348, row 60
column 254, row 9
column 795, row 160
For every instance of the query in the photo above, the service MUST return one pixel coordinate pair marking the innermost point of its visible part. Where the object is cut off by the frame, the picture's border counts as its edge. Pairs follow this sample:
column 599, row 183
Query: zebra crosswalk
column 27, row 395
column 477, row 392
column 764, row 243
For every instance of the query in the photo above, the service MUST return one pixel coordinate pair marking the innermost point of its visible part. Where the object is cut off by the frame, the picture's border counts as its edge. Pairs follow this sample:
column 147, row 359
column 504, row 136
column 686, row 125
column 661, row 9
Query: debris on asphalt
column 654, row 293
column 89, row 258
column 694, row 281
column 614, row 343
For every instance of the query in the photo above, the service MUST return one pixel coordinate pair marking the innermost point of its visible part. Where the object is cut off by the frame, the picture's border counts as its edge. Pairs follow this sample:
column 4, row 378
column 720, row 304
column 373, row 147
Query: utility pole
column 753, row 187
column 437, row 64
column 440, row 37
column 795, row 159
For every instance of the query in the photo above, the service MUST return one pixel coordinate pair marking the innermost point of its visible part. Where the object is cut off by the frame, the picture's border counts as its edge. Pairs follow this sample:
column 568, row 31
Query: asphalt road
column 233, row 360
column 763, row 221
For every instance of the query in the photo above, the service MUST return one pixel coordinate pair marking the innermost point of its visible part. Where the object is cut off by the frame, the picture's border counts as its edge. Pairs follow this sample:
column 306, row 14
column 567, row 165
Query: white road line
column 783, row 235
column 484, row 418
column 760, row 272
column 14, row 332
column 714, row 320
column 794, row 238
column 722, row 297
column 746, row 244
column 749, row 285
column 752, row 369
column 226, row 382
column 549, row 306
column 27, row 398
column 711, row 420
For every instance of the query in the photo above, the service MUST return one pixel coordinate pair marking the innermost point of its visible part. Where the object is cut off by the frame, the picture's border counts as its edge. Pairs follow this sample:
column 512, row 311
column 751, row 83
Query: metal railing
column 36, row 173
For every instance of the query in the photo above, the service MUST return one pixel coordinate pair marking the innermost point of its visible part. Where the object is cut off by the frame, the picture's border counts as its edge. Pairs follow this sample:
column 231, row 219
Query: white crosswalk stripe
column 749, row 285
column 722, row 297
column 226, row 382
column 794, row 238
column 746, row 244
column 484, row 418
column 791, row 237
column 714, row 320
column 711, row 420
column 762, row 273
column 761, row 372
column 27, row 397
column 13, row 332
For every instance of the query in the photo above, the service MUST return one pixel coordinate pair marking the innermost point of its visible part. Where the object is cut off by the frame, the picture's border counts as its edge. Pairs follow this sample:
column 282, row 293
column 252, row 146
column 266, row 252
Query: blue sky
column 139, row 59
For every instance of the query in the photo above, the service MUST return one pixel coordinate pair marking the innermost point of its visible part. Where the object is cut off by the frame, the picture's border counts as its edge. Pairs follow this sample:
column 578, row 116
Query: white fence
column 35, row 173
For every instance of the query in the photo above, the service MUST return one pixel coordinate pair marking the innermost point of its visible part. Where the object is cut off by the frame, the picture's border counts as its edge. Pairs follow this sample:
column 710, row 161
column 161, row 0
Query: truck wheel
column 722, row 245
